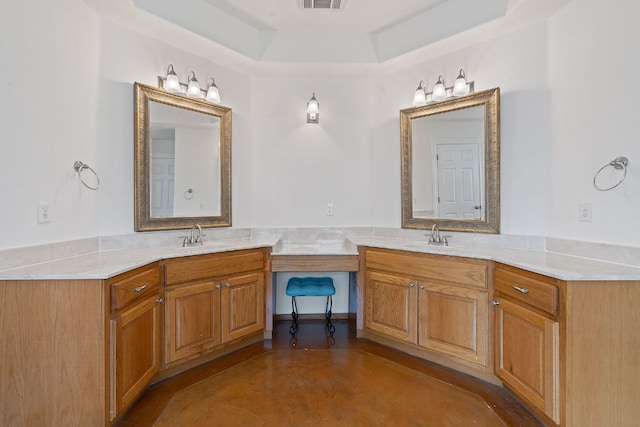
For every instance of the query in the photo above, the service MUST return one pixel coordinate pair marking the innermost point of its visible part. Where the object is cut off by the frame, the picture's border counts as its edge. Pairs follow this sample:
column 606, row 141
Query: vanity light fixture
column 212, row 92
column 420, row 96
column 192, row 89
column 460, row 87
column 439, row 91
column 313, row 110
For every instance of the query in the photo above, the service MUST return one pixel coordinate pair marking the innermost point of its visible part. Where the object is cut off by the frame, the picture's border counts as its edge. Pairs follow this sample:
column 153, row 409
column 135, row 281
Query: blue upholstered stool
column 310, row 287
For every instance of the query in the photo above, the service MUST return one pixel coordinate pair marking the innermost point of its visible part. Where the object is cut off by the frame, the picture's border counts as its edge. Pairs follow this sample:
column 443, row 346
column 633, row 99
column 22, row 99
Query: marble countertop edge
column 100, row 265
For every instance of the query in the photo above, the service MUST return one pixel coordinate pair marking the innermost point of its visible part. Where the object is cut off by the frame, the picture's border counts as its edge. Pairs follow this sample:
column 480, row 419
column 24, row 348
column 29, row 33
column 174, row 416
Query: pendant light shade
column 420, row 96
column 193, row 87
column 172, row 84
column 213, row 95
column 439, row 91
column 460, row 87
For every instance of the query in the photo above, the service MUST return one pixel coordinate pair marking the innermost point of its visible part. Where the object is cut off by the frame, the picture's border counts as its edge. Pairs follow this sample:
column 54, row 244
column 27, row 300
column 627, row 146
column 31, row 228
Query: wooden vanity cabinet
column 569, row 349
column 135, row 333
column 212, row 300
column 527, row 337
column 439, row 304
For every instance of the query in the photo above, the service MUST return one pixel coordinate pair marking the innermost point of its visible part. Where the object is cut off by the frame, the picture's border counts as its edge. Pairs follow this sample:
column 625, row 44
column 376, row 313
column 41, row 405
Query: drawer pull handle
column 141, row 288
column 519, row 289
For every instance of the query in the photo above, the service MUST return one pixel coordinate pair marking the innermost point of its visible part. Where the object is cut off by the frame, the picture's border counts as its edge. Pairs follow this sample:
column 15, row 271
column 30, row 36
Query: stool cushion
column 310, row 286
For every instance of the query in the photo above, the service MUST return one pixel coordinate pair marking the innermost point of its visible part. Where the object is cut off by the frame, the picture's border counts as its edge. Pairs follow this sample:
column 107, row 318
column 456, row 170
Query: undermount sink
column 205, row 244
column 426, row 246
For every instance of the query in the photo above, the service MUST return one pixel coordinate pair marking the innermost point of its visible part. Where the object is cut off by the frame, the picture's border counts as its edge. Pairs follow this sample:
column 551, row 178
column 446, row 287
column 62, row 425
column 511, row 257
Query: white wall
column 127, row 57
column 298, row 167
column 48, row 119
column 517, row 63
column 67, row 95
column 593, row 75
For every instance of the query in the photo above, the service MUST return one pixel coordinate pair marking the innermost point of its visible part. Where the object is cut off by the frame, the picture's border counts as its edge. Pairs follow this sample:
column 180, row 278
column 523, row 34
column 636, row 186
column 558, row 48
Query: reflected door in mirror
column 447, row 164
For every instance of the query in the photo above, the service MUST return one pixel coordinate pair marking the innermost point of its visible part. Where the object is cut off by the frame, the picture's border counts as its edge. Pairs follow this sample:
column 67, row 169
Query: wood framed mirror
column 450, row 164
column 182, row 161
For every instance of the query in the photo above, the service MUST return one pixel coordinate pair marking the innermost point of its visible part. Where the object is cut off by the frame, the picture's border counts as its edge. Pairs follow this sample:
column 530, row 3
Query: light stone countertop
column 559, row 266
column 108, row 263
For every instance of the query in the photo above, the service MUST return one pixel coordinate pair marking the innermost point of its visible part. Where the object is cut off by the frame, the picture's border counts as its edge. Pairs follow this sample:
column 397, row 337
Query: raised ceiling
column 354, row 16
column 363, row 31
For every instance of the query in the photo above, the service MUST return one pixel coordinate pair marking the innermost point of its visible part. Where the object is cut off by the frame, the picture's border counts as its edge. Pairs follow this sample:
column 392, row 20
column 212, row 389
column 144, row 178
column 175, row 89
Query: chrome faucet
column 435, row 238
column 195, row 238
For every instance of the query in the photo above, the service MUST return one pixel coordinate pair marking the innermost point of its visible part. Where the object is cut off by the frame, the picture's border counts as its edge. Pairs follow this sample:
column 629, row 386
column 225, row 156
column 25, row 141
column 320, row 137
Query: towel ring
column 79, row 167
column 188, row 194
column 617, row 163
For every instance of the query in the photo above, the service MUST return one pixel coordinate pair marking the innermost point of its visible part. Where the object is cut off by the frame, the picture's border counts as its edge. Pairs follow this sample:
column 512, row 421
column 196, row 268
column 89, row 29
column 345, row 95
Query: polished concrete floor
column 318, row 380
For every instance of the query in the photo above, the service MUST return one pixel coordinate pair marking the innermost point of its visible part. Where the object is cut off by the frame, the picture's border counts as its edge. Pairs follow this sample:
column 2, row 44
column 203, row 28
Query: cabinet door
column 527, row 355
column 135, row 352
column 390, row 306
column 242, row 306
column 192, row 320
column 454, row 321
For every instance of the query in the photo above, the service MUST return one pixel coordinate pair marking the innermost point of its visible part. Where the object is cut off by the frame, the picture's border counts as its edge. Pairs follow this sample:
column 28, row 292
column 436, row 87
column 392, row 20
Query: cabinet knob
column 412, row 285
column 159, row 300
column 227, row 285
column 218, row 286
column 494, row 302
column 141, row 287
column 519, row 289
column 421, row 287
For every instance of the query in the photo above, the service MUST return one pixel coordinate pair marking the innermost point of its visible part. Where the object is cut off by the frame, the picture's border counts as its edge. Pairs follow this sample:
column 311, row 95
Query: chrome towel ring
column 619, row 163
column 79, row 167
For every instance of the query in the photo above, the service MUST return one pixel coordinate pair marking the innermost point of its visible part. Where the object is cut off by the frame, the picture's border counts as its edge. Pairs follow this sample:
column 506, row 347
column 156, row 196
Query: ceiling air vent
column 321, row 4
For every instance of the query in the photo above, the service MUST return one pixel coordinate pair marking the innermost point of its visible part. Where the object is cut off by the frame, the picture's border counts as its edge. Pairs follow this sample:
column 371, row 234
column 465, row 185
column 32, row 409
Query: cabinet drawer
column 183, row 270
column 530, row 288
column 457, row 271
column 133, row 286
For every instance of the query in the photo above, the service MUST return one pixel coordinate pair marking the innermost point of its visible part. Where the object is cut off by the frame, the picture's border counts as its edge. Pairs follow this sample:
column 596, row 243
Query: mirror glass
column 450, row 164
column 182, row 161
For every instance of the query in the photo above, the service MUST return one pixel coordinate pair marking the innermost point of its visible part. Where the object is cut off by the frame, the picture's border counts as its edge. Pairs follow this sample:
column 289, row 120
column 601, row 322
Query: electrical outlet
column 43, row 213
column 585, row 212
column 329, row 209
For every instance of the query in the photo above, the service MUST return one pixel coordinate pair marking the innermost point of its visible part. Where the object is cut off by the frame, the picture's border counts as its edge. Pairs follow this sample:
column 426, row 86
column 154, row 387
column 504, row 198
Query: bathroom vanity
column 84, row 336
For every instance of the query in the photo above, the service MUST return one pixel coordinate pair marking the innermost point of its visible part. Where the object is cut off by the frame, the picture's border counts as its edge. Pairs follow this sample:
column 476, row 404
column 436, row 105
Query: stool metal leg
column 328, row 308
column 293, row 329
